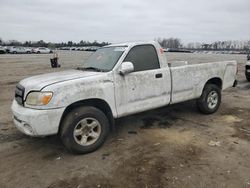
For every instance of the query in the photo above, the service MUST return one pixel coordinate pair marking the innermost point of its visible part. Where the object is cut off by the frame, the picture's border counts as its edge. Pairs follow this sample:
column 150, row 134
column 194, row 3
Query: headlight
column 38, row 98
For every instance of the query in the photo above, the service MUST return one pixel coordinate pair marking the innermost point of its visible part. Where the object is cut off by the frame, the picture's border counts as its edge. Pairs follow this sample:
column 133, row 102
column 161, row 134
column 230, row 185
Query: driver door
column 147, row 87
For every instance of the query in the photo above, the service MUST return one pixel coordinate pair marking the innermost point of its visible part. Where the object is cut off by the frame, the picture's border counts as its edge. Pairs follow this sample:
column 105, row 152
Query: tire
column 210, row 99
column 84, row 129
column 38, row 52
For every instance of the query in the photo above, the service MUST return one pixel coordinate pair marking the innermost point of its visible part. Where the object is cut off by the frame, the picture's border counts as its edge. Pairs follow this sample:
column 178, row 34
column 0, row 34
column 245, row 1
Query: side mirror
column 126, row 68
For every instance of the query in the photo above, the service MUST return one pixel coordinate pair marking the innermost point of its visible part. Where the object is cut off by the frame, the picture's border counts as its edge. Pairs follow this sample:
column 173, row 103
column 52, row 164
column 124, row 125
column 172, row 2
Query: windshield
column 104, row 59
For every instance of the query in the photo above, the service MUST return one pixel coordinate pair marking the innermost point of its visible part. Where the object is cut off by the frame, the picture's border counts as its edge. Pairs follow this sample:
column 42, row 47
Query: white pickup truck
column 117, row 80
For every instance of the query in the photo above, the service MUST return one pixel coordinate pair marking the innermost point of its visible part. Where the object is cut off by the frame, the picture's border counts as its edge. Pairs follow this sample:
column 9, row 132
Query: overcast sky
column 124, row 20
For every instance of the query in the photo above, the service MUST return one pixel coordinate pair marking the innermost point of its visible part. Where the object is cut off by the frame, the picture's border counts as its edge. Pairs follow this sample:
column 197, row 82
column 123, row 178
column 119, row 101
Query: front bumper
column 35, row 122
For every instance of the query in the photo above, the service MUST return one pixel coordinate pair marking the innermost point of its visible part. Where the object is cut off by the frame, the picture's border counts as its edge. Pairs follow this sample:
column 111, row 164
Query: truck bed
column 188, row 80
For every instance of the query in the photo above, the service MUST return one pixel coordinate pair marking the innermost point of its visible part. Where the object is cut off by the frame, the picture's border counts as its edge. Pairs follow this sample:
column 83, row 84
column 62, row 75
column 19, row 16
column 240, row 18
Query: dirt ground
column 173, row 146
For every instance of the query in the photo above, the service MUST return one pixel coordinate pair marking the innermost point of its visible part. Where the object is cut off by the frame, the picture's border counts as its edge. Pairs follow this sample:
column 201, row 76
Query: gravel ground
column 174, row 146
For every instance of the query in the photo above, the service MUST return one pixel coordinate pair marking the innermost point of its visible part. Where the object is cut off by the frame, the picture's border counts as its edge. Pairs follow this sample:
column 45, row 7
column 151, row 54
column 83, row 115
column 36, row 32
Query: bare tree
column 170, row 42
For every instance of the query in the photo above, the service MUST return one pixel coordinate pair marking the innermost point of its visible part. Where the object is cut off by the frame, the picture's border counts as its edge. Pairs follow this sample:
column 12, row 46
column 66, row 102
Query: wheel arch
column 216, row 81
column 95, row 102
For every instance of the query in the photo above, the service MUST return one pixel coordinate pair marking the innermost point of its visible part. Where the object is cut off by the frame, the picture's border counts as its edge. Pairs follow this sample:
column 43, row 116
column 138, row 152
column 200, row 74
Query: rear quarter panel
column 229, row 74
column 188, row 81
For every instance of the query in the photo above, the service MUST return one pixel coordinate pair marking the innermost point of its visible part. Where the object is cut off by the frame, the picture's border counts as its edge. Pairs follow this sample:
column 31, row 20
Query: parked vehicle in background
column 17, row 50
column 92, row 48
column 82, row 48
column 2, row 50
column 28, row 50
column 247, row 71
column 85, row 48
column 116, row 81
column 7, row 49
column 64, row 48
column 248, row 57
column 42, row 50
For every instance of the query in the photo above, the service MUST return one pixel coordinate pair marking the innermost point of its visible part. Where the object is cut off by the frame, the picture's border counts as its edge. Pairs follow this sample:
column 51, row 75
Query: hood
column 40, row 81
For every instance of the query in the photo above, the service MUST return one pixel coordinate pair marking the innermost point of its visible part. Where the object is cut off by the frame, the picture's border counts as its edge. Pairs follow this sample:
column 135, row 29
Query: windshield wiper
column 90, row 68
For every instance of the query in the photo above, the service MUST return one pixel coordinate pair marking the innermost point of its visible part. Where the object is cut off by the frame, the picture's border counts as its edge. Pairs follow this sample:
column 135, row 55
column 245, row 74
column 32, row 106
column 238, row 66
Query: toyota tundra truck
column 117, row 80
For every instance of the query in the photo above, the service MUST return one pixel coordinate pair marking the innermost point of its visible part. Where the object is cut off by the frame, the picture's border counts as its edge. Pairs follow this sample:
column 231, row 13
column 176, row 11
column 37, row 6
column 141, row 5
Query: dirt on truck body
column 172, row 146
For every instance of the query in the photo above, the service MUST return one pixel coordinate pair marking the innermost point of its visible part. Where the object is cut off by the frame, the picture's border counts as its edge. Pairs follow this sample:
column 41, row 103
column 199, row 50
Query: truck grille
column 19, row 94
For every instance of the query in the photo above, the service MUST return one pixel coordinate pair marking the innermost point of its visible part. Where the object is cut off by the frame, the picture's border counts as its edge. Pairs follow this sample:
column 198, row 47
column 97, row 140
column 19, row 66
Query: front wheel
column 84, row 129
column 210, row 99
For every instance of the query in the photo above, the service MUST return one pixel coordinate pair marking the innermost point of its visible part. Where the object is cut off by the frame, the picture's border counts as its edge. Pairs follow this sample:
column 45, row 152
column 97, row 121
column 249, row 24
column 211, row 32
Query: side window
column 144, row 57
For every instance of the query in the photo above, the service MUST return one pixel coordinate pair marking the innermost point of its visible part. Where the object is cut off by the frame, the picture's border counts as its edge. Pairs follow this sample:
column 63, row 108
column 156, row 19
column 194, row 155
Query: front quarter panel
column 69, row 92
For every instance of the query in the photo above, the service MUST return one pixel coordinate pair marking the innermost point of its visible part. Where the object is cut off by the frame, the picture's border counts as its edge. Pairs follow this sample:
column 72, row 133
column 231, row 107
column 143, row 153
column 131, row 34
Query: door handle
column 159, row 75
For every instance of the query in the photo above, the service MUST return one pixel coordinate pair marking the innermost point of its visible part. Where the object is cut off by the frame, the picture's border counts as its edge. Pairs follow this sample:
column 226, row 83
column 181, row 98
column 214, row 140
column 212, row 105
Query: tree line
column 42, row 43
column 217, row 45
column 170, row 42
column 174, row 43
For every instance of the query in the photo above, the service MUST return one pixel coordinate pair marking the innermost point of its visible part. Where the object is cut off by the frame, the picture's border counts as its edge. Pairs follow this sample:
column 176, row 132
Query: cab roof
column 130, row 44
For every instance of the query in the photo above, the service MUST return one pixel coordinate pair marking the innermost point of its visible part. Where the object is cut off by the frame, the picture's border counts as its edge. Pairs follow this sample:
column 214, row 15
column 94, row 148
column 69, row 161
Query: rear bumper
column 36, row 122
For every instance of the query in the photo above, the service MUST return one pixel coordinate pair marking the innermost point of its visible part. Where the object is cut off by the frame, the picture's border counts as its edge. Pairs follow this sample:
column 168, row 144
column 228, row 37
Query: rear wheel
column 38, row 52
column 210, row 99
column 84, row 129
